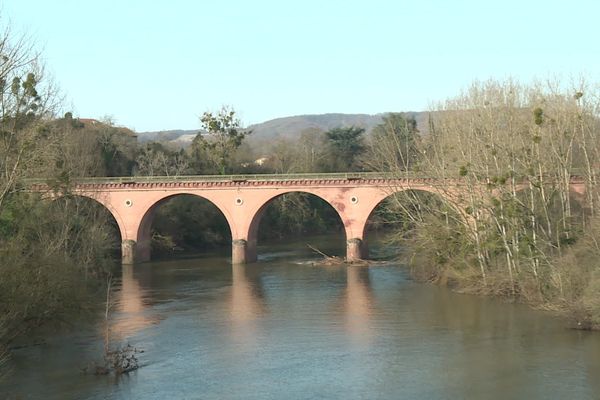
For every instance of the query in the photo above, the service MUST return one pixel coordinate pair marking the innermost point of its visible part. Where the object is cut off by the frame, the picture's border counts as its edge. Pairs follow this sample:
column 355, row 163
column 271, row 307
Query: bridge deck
column 266, row 178
column 242, row 178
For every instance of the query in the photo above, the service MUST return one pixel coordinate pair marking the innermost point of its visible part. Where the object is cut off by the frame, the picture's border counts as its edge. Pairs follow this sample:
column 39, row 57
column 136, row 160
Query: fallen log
column 335, row 260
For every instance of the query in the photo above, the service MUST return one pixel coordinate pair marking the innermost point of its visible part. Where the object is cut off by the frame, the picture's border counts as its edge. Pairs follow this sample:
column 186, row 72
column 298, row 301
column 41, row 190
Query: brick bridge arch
column 258, row 208
column 243, row 199
column 144, row 230
column 101, row 200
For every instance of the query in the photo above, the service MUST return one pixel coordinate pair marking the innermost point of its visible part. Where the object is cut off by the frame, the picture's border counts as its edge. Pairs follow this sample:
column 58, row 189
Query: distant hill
column 286, row 127
column 165, row 136
column 289, row 127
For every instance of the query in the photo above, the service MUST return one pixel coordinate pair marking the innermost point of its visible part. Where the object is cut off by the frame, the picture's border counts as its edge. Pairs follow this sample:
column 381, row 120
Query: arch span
column 103, row 201
column 254, row 223
column 401, row 209
column 418, row 197
column 144, row 231
column 368, row 199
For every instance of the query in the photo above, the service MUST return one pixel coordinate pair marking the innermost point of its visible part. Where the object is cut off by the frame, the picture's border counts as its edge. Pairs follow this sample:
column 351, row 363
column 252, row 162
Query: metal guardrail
column 250, row 178
column 236, row 178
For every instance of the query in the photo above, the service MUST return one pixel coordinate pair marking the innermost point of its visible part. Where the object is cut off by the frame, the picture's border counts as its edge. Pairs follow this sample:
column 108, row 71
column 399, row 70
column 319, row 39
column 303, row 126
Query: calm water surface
column 284, row 329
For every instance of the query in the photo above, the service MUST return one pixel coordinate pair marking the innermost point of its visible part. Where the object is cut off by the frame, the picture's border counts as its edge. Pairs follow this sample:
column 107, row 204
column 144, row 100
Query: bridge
column 242, row 199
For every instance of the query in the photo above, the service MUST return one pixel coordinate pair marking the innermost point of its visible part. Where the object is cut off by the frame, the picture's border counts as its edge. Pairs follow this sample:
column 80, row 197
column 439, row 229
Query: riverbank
column 571, row 292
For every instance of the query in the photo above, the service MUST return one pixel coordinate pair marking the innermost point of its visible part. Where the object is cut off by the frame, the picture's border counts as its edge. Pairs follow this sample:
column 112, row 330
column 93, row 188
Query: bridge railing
column 236, row 178
column 251, row 177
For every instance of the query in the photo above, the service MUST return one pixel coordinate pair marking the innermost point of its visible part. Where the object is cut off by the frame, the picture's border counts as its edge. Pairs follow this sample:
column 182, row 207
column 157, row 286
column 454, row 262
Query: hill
column 286, row 127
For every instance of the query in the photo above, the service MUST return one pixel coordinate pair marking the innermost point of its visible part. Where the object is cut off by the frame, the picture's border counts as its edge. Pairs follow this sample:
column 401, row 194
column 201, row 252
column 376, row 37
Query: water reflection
column 592, row 358
column 246, row 302
column 358, row 304
column 128, row 314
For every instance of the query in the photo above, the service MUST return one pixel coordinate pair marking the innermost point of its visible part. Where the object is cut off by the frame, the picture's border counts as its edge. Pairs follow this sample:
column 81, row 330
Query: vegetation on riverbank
column 51, row 252
column 518, row 229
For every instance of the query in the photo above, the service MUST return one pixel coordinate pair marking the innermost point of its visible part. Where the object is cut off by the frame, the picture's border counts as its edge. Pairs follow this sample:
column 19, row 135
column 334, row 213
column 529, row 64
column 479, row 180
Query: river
column 285, row 329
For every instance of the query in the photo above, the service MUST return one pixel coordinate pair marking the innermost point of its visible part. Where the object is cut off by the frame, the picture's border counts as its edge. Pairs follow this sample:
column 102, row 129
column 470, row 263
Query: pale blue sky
column 156, row 65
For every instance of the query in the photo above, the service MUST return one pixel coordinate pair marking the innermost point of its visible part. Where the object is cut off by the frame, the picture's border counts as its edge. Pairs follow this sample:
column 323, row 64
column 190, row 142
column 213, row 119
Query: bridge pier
column 133, row 252
column 128, row 248
column 242, row 252
column 356, row 249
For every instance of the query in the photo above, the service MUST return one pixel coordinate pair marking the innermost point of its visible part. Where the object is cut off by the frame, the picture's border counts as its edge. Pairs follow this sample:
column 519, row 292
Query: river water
column 285, row 329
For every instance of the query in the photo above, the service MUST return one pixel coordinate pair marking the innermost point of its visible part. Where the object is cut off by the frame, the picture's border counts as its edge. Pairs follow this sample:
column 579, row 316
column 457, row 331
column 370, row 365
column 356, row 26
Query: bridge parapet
column 243, row 181
column 262, row 179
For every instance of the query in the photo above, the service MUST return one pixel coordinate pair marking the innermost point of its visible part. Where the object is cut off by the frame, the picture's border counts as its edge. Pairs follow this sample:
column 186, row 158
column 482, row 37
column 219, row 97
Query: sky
column 158, row 65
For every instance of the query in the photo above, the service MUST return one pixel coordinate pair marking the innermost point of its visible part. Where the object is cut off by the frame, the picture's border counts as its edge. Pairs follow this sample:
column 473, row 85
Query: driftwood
column 334, row 260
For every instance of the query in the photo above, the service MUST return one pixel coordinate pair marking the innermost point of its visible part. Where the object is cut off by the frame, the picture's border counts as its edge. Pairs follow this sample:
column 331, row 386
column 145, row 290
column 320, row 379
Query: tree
column 156, row 159
column 310, row 150
column 297, row 155
column 344, row 146
column 48, row 249
column 25, row 99
column 393, row 145
column 77, row 149
column 515, row 149
column 224, row 135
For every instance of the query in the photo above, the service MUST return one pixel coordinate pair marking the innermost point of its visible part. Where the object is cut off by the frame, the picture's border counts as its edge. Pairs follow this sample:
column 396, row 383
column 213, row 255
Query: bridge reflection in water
column 246, row 304
column 130, row 311
column 358, row 304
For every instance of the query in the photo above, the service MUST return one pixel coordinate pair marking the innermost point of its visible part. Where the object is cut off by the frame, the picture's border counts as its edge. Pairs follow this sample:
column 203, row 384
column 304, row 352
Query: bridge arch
column 367, row 201
column 259, row 211
column 101, row 202
column 407, row 201
column 106, row 203
column 144, row 228
column 447, row 200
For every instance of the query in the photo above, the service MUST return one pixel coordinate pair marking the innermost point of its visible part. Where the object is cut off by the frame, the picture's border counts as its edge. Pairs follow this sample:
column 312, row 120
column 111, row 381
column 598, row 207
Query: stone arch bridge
column 242, row 199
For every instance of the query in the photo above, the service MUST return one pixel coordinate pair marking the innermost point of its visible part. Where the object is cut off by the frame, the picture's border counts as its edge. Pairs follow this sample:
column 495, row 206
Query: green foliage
column 189, row 223
column 51, row 252
column 394, row 144
column 538, row 116
column 155, row 159
column 214, row 151
column 51, row 256
column 344, row 146
column 294, row 214
column 117, row 151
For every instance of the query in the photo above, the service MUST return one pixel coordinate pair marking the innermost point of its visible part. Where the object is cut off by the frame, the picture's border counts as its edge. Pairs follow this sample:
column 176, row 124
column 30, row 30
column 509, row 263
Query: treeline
column 223, row 147
column 76, row 148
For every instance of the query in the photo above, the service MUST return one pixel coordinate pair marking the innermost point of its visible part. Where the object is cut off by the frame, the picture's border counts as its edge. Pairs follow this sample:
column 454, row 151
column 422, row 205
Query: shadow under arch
column 144, row 233
column 107, row 213
column 400, row 212
column 253, row 232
